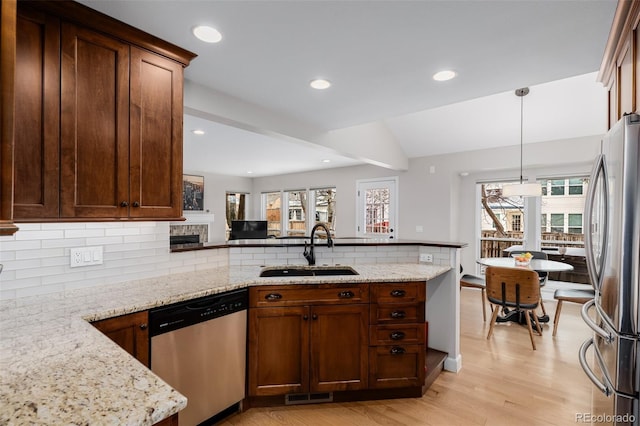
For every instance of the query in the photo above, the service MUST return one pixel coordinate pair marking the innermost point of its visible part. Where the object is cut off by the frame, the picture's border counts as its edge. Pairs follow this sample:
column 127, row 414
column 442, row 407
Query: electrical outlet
column 426, row 257
column 85, row 256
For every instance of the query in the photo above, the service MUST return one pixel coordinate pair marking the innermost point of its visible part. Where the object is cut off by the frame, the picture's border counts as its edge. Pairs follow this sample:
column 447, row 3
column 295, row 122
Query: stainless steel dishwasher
column 199, row 348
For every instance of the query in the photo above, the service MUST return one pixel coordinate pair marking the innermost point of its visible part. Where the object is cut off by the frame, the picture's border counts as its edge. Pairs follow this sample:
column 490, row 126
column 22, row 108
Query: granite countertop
column 56, row 368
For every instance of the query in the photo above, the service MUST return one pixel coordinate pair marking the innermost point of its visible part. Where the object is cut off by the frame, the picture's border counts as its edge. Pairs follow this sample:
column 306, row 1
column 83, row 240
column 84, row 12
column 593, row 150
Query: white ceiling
column 380, row 56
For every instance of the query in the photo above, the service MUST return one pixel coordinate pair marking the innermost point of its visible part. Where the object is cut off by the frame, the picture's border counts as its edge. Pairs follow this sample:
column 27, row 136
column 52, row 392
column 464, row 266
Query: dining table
column 538, row 265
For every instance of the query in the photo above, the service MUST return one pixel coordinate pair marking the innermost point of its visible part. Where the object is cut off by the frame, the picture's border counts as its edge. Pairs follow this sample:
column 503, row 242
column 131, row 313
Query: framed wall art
column 192, row 193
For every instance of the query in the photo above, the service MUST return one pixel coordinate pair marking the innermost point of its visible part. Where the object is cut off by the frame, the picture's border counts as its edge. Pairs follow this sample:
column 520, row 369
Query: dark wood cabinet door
column 396, row 366
column 37, row 116
column 278, row 350
column 94, row 125
column 130, row 332
column 339, row 347
column 156, row 136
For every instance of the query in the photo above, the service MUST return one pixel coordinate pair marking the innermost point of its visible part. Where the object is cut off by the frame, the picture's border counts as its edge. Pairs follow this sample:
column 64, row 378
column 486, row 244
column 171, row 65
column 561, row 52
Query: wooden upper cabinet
column 94, row 125
column 37, row 112
column 156, row 136
column 620, row 70
column 99, row 121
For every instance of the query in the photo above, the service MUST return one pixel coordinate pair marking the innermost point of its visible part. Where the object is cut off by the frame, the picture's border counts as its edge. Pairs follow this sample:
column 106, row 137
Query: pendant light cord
column 521, row 125
column 521, row 93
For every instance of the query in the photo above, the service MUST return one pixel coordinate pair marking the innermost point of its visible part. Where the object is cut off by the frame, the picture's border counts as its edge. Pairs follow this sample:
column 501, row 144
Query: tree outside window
column 297, row 213
column 325, row 208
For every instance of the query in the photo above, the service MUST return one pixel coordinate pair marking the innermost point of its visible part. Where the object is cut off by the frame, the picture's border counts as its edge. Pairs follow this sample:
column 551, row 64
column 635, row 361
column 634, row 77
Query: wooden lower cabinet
column 169, row 421
column 302, row 349
column 313, row 339
column 397, row 335
column 130, row 332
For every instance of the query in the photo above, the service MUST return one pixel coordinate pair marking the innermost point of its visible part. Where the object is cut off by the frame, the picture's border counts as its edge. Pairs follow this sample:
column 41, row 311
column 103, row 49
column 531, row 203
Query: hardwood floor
column 502, row 382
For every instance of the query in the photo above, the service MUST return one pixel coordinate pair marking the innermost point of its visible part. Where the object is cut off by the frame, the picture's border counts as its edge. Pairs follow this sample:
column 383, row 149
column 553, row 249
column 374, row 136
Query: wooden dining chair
column 474, row 281
column 517, row 288
column 542, row 275
column 570, row 295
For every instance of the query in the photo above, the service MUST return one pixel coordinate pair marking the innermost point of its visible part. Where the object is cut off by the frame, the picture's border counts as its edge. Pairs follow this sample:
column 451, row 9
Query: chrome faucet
column 308, row 248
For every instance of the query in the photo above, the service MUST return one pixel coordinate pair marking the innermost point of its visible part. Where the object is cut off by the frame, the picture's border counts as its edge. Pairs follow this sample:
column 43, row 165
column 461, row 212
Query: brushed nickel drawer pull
column 398, row 293
column 398, row 314
column 273, row 296
column 397, row 335
column 397, row 350
column 346, row 294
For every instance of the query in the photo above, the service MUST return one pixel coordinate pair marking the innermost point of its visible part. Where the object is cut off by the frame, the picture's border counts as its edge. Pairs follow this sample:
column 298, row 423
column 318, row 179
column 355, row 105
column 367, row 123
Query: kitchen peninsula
column 56, row 368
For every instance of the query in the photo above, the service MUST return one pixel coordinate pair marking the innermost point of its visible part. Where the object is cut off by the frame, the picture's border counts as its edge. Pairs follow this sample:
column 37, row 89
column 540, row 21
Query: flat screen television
column 248, row 229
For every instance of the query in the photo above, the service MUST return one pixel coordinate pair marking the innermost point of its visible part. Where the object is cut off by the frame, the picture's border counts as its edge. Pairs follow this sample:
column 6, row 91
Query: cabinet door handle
column 398, row 293
column 314, row 317
column 397, row 335
column 273, row 296
column 346, row 294
column 305, row 317
column 143, row 326
column 124, row 204
column 398, row 314
column 397, row 350
column 136, row 204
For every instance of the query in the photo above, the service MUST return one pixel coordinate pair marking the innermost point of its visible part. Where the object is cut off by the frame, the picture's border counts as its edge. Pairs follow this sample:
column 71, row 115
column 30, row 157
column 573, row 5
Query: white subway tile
column 101, row 241
column 29, row 226
column 83, row 233
column 252, row 250
column 71, row 242
column 39, row 235
column 39, row 290
column 20, row 245
column 40, row 253
column 40, row 271
column 121, row 231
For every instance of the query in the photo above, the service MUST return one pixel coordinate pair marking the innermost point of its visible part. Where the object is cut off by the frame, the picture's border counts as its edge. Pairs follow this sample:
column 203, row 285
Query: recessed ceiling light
column 207, row 34
column 326, row 160
column 320, row 84
column 444, row 75
column 198, row 132
column 249, row 172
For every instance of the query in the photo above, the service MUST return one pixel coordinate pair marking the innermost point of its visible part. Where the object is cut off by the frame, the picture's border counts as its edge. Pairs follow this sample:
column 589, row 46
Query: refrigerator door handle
column 582, row 356
column 608, row 337
column 598, row 172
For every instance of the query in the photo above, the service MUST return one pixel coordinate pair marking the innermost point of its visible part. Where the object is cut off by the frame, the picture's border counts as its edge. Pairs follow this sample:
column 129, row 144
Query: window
column 575, row 223
column 296, row 213
column 575, row 186
column 236, row 206
column 502, row 219
column 557, row 222
column 557, row 187
column 516, row 222
column 325, row 207
column 272, row 202
column 377, row 207
column 561, row 211
column 543, row 184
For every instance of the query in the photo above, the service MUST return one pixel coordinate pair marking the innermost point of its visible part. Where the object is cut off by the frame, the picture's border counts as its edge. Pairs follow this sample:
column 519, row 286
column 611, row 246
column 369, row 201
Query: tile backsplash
column 36, row 259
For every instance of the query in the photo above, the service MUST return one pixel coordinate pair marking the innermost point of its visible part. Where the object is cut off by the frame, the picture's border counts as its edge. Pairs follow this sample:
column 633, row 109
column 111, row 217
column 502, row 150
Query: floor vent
column 307, row 398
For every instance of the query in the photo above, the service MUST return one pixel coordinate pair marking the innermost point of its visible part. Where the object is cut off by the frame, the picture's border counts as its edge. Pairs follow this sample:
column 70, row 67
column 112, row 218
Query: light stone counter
column 55, row 368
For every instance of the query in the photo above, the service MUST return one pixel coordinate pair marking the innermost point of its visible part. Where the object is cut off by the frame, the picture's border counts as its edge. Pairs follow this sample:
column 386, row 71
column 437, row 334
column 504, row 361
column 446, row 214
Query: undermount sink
column 306, row 271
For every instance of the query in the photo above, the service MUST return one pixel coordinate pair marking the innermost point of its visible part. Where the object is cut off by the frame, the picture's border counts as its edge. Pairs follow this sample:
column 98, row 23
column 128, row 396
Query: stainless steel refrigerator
column 611, row 358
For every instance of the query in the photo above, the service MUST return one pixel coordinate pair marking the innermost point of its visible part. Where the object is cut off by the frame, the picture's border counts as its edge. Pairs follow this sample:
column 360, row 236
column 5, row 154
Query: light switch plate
column 85, row 256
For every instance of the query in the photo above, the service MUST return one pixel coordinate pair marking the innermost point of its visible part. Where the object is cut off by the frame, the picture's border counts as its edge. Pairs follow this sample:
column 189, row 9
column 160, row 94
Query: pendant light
column 523, row 189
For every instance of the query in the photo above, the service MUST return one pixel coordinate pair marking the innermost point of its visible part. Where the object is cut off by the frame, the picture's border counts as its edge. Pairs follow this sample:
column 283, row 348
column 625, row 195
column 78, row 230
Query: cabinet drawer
column 308, row 294
column 398, row 292
column 397, row 313
column 396, row 366
column 395, row 334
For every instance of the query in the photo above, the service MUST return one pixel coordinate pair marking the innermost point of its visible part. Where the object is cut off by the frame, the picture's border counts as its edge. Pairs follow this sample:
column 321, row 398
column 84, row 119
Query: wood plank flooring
column 502, row 382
